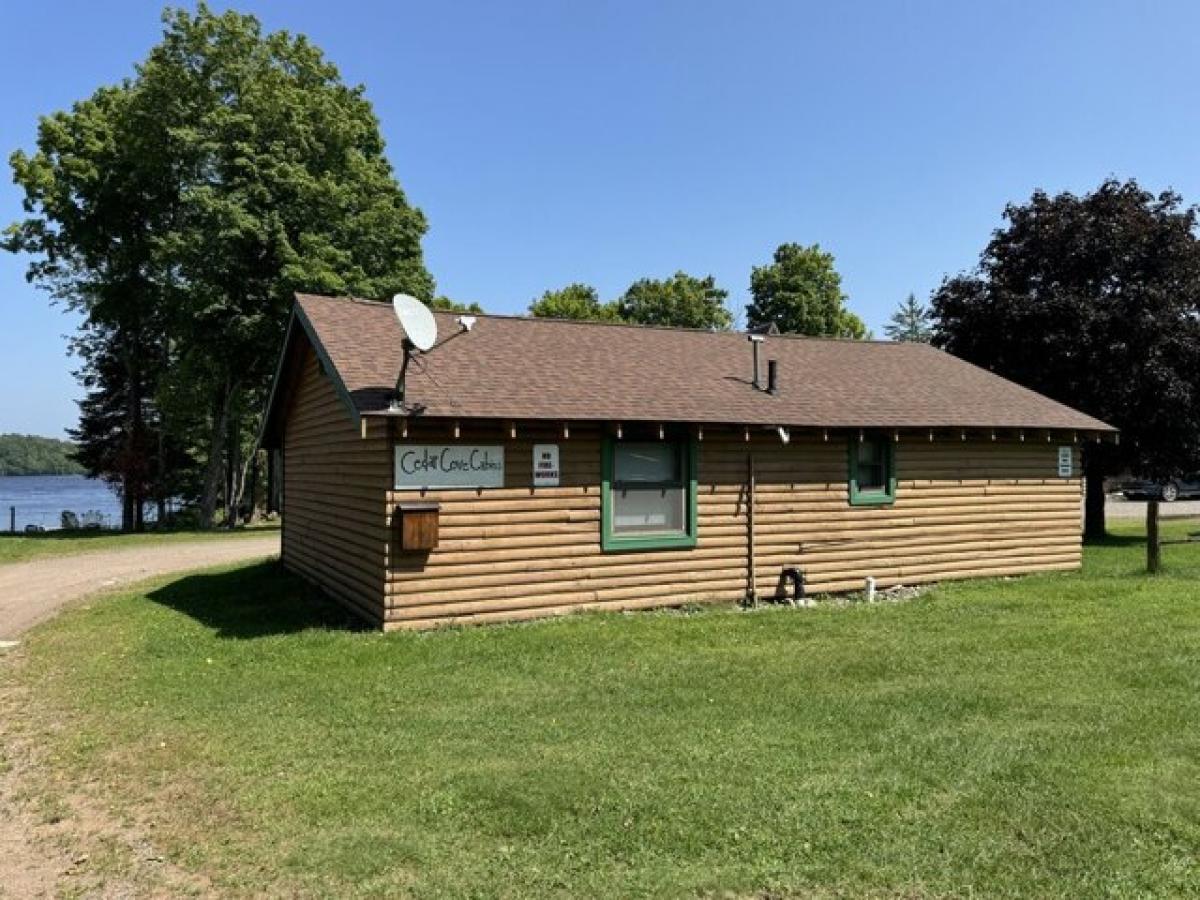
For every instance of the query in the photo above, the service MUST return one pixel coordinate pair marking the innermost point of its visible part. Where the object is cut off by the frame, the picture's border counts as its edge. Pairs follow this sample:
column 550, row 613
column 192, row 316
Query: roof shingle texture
column 511, row 367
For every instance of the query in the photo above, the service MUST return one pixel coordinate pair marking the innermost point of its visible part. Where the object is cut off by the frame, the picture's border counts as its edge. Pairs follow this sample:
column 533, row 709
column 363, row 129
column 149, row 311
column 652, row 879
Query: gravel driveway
column 1120, row 508
column 31, row 592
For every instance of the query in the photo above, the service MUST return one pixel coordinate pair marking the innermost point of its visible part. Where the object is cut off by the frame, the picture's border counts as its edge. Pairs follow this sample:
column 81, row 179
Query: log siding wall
column 334, row 486
column 963, row 509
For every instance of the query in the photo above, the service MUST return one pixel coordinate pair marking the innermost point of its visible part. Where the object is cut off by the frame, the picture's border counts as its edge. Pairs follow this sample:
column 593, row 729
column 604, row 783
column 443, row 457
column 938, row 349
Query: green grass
column 20, row 547
column 1023, row 737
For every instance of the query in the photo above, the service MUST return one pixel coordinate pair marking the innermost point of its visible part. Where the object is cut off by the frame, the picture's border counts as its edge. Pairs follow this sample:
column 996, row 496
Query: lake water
column 41, row 499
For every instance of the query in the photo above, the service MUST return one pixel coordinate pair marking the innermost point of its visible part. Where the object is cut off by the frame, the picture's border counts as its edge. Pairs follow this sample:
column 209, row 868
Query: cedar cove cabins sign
column 449, row 466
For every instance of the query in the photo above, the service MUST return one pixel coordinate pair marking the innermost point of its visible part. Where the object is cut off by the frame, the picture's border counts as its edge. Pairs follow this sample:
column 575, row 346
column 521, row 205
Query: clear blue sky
column 552, row 142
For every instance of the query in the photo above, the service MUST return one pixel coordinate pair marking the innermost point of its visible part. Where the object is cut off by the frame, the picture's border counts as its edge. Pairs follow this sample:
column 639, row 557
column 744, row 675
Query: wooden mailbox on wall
column 415, row 526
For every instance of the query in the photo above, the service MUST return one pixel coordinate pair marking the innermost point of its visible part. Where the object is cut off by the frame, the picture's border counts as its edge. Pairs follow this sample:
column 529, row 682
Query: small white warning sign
column 545, row 465
column 1066, row 462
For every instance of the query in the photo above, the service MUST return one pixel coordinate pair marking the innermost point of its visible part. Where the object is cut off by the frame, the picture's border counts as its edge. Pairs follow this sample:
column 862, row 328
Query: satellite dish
column 420, row 328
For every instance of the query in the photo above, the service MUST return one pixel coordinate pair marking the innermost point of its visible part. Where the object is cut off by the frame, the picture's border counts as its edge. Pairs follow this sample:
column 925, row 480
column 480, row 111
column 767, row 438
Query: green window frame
column 613, row 541
column 881, row 487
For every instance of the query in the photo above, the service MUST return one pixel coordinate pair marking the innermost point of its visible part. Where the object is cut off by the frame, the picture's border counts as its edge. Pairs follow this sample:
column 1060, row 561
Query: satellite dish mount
column 420, row 333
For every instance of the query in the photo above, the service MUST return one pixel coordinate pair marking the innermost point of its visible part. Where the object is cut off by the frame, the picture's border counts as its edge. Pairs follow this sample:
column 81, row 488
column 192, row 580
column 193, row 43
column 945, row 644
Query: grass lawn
column 1029, row 737
column 20, row 547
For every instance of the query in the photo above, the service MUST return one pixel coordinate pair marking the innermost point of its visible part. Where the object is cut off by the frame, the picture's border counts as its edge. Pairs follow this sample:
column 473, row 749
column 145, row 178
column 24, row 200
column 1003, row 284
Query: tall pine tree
column 910, row 322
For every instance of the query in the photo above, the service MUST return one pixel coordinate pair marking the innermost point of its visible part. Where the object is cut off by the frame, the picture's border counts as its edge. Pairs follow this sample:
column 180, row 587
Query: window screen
column 872, row 471
column 872, row 465
column 648, row 495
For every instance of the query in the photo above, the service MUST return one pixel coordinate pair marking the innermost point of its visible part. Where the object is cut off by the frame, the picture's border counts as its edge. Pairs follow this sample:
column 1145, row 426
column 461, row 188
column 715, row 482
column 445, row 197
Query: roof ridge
column 554, row 320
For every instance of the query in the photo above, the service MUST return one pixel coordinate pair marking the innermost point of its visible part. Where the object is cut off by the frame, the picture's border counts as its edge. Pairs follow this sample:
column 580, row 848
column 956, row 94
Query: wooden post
column 1153, row 545
column 752, row 583
column 12, row 519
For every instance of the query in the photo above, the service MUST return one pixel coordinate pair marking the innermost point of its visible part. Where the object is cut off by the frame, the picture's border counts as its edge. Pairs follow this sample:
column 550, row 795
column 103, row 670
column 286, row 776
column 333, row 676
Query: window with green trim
column 648, row 495
column 872, row 471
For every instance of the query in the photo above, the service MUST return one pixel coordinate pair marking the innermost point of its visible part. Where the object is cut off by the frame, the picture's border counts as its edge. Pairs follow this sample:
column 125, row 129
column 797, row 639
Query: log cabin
column 538, row 467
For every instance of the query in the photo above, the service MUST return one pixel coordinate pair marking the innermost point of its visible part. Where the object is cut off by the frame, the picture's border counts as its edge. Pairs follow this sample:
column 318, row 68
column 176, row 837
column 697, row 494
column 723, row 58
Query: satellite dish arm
column 398, row 394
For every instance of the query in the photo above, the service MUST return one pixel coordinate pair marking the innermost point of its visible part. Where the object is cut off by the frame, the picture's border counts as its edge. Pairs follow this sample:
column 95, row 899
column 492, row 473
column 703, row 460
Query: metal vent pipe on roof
column 755, row 340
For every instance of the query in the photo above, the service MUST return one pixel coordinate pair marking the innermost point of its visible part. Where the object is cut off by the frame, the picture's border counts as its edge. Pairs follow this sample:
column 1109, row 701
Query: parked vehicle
column 1183, row 488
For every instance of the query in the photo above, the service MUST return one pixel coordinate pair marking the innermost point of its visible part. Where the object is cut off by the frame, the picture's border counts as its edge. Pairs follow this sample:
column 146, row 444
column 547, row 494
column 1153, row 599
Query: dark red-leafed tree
column 1095, row 302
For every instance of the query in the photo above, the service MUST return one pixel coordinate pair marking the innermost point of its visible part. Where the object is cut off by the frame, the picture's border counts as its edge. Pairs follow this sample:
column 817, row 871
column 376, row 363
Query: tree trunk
column 1153, row 547
column 252, row 488
column 129, row 462
column 238, row 492
column 215, row 468
column 236, row 477
column 160, row 472
column 127, row 518
column 1094, row 528
column 272, row 503
column 139, row 487
column 230, row 464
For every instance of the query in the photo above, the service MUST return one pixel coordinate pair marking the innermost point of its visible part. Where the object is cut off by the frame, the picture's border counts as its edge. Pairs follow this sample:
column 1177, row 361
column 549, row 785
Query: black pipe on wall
column 796, row 577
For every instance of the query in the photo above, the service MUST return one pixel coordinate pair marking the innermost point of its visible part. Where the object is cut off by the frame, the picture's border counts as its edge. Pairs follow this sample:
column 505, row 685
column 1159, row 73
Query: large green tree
column 681, row 301
column 191, row 200
column 1094, row 301
column 800, row 292
column 580, row 302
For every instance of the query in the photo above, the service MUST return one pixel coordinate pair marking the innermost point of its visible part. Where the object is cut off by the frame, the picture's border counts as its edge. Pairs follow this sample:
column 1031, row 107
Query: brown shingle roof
column 510, row 367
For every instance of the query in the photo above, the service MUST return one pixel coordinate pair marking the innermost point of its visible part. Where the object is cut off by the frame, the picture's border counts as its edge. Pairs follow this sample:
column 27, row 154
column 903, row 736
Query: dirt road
column 31, row 592
column 1120, row 508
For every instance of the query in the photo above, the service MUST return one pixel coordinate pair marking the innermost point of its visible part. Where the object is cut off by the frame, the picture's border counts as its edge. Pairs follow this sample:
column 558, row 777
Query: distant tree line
column 799, row 292
column 27, row 454
column 681, row 301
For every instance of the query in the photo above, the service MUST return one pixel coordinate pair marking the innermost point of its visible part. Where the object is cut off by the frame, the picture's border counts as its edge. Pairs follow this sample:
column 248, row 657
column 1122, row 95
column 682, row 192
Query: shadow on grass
column 1116, row 540
column 254, row 601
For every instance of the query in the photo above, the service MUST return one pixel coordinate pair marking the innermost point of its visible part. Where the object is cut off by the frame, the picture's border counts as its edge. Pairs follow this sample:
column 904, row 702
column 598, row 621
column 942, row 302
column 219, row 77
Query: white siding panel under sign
column 449, row 466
